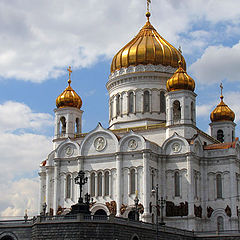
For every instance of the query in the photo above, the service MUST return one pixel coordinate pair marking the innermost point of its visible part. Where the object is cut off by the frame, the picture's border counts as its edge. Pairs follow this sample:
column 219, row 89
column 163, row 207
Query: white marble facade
column 143, row 147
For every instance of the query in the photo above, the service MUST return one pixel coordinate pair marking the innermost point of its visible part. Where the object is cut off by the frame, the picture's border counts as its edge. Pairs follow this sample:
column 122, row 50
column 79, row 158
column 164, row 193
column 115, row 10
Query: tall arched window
column 77, row 126
column 118, row 105
column 192, row 111
column 177, row 184
column 220, row 135
column 195, row 186
column 62, row 125
column 92, row 184
column 68, row 186
column 233, row 136
column 132, row 182
column 220, row 224
column 146, row 101
column 100, row 184
column 152, row 173
column 176, row 111
column 111, row 110
column 162, row 102
column 106, row 179
column 219, row 185
column 130, row 102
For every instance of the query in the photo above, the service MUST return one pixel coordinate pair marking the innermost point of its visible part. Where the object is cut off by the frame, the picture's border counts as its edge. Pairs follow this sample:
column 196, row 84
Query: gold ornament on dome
column 180, row 80
column 69, row 98
column 222, row 112
column 148, row 47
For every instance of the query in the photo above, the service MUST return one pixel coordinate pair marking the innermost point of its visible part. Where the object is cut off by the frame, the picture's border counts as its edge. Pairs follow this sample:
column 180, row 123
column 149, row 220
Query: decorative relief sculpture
column 176, row 147
column 140, row 208
column 198, row 211
column 228, row 211
column 99, row 144
column 209, row 211
column 69, row 151
column 132, row 144
column 172, row 210
column 123, row 209
column 112, row 207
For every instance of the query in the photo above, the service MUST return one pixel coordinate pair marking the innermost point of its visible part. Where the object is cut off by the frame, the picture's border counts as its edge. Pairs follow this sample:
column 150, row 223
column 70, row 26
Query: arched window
column 146, row 101
column 77, row 126
column 233, row 136
column 220, row 135
column 195, row 186
column 7, row 238
column 106, row 179
column 162, row 102
column 68, row 186
column 220, row 225
column 192, row 111
column 219, row 185
column 152, row 179
column 111, row 110
column 92, row 184
column 118, row 105
column 130, row 102
column 100, row 184
column 62, row 125
column 176, row 111
column 132, row 183
column 177, row 184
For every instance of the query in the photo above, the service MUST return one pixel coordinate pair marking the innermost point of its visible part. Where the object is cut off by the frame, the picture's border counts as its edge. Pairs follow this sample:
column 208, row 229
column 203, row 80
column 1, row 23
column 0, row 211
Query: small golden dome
column 148, row 47
column 180, row 80
column 69, row 98
column 222, row 112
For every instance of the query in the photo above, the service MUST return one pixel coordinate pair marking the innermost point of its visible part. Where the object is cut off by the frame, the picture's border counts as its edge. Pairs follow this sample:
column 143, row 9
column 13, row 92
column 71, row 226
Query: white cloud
column 21, row 155
column 18, row 196
column 15, row 115
column 40, row 38
column 217, row 63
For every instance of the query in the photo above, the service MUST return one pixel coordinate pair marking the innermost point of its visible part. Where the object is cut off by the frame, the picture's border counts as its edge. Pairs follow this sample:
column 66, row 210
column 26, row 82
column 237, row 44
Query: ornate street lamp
column 136, row 201
column 81, row 180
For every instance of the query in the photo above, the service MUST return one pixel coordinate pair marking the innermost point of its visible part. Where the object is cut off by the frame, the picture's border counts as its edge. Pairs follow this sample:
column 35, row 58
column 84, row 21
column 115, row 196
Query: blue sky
column 40, row 39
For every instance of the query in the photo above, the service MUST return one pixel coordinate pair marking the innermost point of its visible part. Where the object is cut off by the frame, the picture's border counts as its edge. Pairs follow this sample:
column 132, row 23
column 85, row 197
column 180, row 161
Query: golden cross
column 221, row 86
column 148, row 3
column 70, row 71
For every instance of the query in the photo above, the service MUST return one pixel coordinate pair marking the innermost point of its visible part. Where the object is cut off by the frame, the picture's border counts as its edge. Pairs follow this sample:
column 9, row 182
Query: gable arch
column 132, row 142
column 105, row 139
column 67, row 149
column 8, row 235
column 175, row 145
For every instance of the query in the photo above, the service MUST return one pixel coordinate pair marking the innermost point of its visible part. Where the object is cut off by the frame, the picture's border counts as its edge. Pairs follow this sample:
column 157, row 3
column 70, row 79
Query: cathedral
column 152, row 143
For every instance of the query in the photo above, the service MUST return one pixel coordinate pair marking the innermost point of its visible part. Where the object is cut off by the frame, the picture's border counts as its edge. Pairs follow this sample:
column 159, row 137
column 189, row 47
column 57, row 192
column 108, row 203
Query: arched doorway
column 131, row 215
column 6, row 238
column 100, row 212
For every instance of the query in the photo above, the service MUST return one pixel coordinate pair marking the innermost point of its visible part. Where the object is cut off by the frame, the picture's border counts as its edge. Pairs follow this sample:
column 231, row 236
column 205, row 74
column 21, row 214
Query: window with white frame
column 106, row 179
column 130, row 102
column 177, row 184
column 92, row 185
column 219, row 185
column 146, row 101
column 100, row 184
column 132, row 182
column 68, row 186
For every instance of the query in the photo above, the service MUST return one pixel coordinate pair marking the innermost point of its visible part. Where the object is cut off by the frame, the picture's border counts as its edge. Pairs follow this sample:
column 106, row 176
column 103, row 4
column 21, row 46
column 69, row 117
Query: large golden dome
column 222, row 113
column 69, row 98
column 180, row 80
column 148, row 47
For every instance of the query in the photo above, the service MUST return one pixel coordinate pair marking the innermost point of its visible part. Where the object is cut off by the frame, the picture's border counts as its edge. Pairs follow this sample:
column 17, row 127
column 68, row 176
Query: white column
column 146, row 188
column 110, row 184
column 96, row 185
column 48, row 188
column 129, row 182
column 190, row 187
column 56, row 185
column 103, row 184
column 89, row 183
column 119, row 182
column 42, row 191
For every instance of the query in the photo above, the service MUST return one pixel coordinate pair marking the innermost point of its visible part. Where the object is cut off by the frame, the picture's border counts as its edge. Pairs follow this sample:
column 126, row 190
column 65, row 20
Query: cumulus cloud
column 218, row 63
column 22, row 148
column 39, row 38
column 15, row 115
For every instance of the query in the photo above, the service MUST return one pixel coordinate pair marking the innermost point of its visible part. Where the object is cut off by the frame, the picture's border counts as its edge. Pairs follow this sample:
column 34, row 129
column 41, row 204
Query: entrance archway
column 100, row 212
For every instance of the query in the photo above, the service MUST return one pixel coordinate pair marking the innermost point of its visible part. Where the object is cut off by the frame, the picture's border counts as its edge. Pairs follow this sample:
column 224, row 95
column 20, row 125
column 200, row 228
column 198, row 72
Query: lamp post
column 161, row 202
column 80, row 180
column 136, row 201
